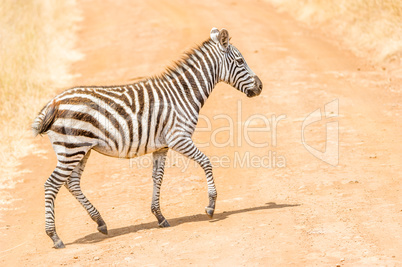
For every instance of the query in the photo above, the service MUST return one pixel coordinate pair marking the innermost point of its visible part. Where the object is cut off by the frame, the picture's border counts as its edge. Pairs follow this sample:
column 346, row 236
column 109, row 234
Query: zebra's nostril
column 258, row 82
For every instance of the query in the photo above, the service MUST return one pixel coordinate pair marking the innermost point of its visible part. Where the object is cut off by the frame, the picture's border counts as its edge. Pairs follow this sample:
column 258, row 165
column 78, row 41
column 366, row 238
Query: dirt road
column 295, row 210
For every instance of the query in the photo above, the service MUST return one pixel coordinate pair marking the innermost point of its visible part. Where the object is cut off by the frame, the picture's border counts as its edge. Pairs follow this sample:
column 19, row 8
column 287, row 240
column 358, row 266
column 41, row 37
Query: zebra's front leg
column 159, row 158
column 73, row 185
column 187, row 147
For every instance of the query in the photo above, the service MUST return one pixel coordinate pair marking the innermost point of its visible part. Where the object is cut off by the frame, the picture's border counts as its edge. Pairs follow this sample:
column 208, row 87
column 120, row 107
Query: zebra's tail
column 45, row 119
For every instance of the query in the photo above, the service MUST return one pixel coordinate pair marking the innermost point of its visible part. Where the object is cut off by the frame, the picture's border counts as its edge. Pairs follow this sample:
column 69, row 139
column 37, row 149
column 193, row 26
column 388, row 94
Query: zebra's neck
column 195, row 75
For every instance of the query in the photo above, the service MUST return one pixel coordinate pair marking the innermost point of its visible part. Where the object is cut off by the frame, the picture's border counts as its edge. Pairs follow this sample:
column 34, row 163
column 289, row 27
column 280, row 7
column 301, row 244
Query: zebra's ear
column 214, row 34
column 224, row 38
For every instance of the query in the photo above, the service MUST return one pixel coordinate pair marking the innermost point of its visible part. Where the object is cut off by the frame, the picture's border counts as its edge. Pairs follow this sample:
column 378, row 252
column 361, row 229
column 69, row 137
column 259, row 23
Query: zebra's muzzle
column 256, row 90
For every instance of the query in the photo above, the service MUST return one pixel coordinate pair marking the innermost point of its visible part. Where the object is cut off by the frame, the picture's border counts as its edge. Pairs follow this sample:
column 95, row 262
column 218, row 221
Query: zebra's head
column 234, row 69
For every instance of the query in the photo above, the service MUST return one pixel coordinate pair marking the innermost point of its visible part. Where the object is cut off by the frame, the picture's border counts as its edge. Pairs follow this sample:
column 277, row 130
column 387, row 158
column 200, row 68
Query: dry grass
column 369, row 28
column 36, row 41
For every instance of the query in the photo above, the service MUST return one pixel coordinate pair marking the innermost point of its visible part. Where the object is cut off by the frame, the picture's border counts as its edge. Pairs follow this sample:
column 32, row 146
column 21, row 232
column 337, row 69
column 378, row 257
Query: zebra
column 151, row 115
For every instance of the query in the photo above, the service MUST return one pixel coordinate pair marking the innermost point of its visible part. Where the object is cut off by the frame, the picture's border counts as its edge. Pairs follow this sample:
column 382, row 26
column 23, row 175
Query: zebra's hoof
column 209, row 211
column 103, row 229
column 59, row 244
column 164, row 224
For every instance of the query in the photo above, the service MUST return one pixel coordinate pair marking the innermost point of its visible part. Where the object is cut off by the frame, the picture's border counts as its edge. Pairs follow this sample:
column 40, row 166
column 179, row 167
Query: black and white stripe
column 149, row 116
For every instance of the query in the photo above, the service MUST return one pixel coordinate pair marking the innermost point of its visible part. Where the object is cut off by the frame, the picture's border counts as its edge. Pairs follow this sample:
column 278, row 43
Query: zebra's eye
column 239, row 61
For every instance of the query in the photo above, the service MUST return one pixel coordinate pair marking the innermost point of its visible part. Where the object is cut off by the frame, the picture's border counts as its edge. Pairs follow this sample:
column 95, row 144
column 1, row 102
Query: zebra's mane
column 189, row 58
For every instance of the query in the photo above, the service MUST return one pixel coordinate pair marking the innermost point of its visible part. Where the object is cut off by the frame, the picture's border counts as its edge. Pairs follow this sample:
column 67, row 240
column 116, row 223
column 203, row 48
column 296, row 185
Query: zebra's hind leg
column 187, row 147
column 59, row 176
column 159, row 158
column 73, row 185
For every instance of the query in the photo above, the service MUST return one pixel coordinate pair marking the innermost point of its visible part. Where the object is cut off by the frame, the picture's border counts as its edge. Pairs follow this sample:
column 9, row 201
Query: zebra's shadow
column 97, row 237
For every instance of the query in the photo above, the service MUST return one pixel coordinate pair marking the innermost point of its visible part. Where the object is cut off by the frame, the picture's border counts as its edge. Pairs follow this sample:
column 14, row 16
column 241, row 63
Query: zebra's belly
column 136, row 149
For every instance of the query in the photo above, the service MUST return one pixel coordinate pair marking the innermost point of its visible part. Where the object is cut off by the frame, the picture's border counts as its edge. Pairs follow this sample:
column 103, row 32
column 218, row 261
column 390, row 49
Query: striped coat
column 149, row 116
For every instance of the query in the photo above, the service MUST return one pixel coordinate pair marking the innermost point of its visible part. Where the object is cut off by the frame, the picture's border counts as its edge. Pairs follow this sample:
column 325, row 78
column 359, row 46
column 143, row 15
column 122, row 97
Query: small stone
column 343, row 259
column 75, row 257
column 338, row 265
column 96, row 258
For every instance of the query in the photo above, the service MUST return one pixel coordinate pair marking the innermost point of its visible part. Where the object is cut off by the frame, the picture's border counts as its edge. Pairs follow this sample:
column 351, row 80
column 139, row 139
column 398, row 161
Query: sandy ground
column 297, row 211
